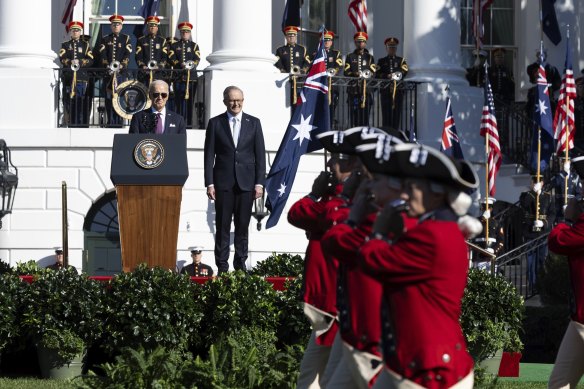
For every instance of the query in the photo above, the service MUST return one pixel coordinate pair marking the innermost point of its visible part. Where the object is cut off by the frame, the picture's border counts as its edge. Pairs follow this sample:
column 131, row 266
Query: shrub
column 553, row 282
column 5, row 268
column 492, row 314
column 279, row 265
column 150, row 308
column 233, row 301
column 293, row 327
column 11, row 291
column 30, row 268
column 62, row 310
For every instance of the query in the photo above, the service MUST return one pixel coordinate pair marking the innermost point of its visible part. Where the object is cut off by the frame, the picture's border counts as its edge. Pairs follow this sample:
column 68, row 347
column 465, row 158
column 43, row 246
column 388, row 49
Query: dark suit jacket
column 226, row 165
column 173, row 123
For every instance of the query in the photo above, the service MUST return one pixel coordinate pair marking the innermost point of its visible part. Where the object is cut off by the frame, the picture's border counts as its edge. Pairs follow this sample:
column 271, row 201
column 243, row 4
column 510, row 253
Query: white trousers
column 569, row 366
column 356, row 369
column 313, row 364
column 334, row 360
column 389, row 379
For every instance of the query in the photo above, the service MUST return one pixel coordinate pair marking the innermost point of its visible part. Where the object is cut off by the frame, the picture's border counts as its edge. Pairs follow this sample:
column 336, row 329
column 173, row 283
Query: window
column 313, row 14
column 103, row 215
column 499, row 30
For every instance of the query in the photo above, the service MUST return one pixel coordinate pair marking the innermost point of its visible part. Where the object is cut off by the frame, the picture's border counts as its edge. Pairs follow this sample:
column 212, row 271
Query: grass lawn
column 531, row 375
column 32, row 383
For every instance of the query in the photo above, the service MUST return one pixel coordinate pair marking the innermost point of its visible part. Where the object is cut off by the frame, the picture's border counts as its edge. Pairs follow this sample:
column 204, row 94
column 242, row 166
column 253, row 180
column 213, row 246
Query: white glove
column 567, row 167
column 490, row 250
column 487, row 214
column 537, row 187
column 469, row 226
column 538, row 223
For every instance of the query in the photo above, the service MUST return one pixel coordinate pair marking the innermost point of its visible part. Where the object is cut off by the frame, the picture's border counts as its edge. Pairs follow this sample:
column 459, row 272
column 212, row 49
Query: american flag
column 358, row 14
column 450, row 142
column 311, row 117
column 478, row 9
column 489, row 127
column 68, row 13
column 564, row 121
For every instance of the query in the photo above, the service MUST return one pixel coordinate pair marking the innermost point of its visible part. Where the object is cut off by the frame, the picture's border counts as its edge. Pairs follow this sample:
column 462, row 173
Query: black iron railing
column 91, row 102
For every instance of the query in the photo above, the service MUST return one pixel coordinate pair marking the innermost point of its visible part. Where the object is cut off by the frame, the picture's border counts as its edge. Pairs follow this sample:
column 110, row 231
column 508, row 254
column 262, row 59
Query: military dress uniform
column 494, row 243
column 319, row 284
column 114, row 47
column 536, row 257
column 292, row 57
column 181, row 52
column 334, row 64
column 197, row 270
column 75, row 82
column 393, row 68
column 151, row 48
column 501, row 80
column 359, row 103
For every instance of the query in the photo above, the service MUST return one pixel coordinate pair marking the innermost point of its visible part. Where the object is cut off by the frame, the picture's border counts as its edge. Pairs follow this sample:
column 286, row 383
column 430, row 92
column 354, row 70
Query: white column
column 242, row 36
column 432, row 40
column 25, row 37
column 26, row 64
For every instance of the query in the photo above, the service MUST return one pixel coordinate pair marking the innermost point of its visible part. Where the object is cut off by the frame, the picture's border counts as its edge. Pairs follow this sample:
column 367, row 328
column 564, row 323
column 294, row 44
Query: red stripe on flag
column 68, row 12
column 358, row 14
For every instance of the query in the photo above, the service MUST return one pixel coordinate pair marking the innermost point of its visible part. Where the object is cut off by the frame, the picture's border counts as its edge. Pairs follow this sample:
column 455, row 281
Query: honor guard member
column 567, row 238
column 59, row 264
column 114, row 55
column 197, row 268
column 494, row 243
column 292, row 58
column 151, row 52
column 394, row 69
column 475, row 75
column 334, row 64
column 185, row 56
column 501, row 78
column 75, row 54
column 359, row 64
column 536, row 223
column 424, row 270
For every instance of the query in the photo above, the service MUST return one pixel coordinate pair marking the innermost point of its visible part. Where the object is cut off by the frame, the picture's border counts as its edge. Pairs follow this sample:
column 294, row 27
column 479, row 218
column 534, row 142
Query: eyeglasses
column 235, row 101
column 157, row 95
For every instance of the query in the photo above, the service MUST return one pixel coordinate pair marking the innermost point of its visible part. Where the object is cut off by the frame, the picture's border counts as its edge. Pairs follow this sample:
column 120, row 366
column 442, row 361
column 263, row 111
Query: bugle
column 366, row 74
column 188, row 65
column 294, row 72
column 113, row 68
column 75, row 67
column 397, row 76
column 152, row 64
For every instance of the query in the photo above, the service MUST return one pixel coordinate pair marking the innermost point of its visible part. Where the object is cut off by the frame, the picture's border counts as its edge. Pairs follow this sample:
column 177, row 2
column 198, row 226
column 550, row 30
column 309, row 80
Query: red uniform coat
column 424, row 274
column 320, row 275
column 569, row 241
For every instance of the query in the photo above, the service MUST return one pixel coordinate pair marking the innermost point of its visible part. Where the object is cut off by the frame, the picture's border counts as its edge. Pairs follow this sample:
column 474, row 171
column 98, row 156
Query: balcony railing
column 93, row 104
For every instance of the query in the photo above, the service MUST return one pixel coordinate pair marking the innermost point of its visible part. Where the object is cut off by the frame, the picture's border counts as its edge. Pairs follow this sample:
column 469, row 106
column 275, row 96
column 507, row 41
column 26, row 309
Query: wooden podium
column 149, row 172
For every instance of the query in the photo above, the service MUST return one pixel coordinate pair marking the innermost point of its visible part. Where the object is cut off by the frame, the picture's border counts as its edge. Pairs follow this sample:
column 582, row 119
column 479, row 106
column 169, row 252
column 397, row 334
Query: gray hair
column 154, row 83
column 229, row 89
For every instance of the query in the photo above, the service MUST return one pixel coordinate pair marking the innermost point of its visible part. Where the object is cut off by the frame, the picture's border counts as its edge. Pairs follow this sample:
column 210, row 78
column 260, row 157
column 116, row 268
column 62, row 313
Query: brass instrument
column 75, row 67
column 365, row 75
column 188, row 65
column 397, row 76
column 331, row 73
column 112, row 69
column 294, row 72
column 152, row 64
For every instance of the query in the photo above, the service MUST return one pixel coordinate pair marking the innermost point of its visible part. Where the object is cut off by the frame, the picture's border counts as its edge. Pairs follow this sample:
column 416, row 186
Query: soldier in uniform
column 197, row 268
column 292, row 58
column 59, row 264
column 475, row 75
column 392, row 68
column 75, row 54
column 334, row 63
column 151, row 49
column 358, row 64
column 501, row 77
column 320, row 275
column 535, row 224
column 114, row 50
column 185, row 56
column 553, row 78
column 423, row 270
column 495, row 242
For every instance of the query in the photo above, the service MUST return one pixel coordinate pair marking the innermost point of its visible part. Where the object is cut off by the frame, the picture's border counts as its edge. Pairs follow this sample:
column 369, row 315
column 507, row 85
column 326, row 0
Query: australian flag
column 311, row 117
column 543, row 118
column 450, row 144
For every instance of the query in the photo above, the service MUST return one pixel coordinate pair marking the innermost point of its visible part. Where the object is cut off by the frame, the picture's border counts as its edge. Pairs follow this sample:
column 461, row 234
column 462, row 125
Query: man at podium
column 158, row 119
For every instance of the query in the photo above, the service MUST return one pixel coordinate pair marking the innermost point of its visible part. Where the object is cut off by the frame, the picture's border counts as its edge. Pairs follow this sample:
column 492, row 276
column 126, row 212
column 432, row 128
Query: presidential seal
column 131, row 96
column 149, row 153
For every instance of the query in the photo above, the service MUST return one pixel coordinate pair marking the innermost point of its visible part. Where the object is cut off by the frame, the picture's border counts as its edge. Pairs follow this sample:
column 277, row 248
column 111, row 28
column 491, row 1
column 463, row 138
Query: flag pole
column 487, row 192
column 477, row 12
column 566, row 122
column 538, row 172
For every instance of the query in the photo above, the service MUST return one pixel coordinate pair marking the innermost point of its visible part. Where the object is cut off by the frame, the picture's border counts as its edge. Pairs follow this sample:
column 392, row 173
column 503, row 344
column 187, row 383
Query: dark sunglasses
column 157, row 95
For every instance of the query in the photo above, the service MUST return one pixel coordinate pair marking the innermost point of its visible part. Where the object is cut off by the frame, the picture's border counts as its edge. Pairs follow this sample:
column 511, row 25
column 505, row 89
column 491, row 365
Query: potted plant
column 492, row 317
column 62, row 314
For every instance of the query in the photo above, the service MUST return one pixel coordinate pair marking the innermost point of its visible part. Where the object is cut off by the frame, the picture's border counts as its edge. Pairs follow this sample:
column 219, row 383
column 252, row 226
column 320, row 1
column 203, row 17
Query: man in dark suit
column 167, row 122
column 235, row 169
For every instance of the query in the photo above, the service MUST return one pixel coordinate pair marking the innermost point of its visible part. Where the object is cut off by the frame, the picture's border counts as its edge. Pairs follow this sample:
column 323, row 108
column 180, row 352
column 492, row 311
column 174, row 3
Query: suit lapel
column 167, row 120
column 227, row 129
